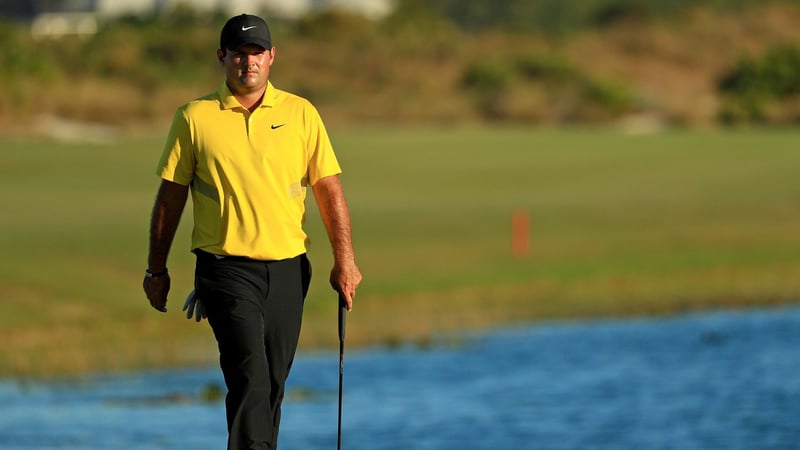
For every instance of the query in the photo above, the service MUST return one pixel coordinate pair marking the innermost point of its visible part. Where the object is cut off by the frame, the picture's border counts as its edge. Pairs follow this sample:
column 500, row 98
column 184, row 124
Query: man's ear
column 221, row 56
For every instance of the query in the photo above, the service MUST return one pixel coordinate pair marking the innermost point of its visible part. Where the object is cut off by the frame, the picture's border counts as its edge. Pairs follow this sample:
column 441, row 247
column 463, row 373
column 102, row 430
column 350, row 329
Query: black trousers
column 255, row 309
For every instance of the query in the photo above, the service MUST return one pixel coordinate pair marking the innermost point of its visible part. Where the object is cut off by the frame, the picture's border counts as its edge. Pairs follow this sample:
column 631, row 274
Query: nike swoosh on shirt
column 247, row 28
column 275, row 127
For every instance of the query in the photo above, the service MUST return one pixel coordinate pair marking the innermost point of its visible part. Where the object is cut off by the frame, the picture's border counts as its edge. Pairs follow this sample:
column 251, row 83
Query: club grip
column 342, row 314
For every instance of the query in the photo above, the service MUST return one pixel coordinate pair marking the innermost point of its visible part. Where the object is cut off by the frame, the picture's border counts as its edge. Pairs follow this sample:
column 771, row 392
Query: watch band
column 149, row 274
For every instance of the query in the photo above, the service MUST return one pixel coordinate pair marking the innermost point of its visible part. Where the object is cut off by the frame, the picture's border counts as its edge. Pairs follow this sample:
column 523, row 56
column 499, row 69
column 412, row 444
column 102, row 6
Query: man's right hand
column 156, row 289
column 170, row 200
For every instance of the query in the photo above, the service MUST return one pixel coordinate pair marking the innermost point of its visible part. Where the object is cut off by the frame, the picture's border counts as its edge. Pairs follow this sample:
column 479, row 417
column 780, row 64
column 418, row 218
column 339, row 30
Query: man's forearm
column 345, row 275
column 336, row 217
column 167, row 211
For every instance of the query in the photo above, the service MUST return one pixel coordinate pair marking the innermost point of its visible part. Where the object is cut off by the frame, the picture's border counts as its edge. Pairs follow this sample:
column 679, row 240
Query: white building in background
column 81, row 17
column 285, row 8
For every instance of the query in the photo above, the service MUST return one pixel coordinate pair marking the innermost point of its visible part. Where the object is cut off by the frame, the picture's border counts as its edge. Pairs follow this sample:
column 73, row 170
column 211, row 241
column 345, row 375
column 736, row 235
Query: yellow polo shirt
column 248, row 172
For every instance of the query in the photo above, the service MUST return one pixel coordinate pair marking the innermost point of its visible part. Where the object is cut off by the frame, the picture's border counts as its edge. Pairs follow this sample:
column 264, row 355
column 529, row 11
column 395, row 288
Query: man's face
column 247, row 67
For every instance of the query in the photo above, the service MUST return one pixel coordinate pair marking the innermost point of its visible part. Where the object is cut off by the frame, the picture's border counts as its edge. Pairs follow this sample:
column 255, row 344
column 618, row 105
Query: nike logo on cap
column 244, row 28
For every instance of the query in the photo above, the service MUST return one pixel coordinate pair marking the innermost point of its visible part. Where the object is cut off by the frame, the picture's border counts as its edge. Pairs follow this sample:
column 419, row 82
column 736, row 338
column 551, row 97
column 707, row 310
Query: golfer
column 248, row 152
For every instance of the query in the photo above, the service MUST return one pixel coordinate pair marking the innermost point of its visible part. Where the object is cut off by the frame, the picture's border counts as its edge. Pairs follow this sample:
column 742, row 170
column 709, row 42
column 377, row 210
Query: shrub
column 21, row 56
column 758, row 85
column 543, row 87
column 612, row 96
column 334, row 24
column 545, row 67
column 623, row 11
column 487, row 77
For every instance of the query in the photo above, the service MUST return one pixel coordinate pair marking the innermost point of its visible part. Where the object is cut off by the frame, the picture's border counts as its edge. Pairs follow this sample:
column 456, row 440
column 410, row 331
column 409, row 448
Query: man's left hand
column 345, row 278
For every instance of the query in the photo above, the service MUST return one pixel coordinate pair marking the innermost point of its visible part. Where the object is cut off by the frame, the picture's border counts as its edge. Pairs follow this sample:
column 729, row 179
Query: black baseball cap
column 245, row 29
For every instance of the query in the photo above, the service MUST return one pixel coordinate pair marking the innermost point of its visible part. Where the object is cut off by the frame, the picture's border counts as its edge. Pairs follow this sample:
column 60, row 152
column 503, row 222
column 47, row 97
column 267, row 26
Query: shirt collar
column 229, row 101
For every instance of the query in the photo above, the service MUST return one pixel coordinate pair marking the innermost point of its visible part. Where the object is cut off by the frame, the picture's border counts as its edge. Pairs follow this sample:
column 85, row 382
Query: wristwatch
column 149, row 274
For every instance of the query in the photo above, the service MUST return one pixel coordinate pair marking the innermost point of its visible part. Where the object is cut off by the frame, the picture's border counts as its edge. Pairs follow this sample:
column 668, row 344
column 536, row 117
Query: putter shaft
column 342, row 314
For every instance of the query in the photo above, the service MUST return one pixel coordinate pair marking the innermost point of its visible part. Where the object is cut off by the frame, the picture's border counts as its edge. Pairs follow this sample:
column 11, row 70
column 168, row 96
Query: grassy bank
column 664, row 61
column 620, row 225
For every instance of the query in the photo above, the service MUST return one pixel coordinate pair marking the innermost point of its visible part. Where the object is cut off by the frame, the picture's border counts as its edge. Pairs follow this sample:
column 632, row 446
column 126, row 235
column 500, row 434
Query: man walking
column 247, row 153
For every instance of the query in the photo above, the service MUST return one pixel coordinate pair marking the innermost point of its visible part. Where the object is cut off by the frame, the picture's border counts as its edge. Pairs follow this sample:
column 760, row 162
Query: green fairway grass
column 619, row 225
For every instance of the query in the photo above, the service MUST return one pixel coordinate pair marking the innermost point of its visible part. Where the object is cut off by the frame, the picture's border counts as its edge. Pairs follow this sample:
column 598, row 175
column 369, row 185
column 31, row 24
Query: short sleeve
column 322, row 160
column 178, row 158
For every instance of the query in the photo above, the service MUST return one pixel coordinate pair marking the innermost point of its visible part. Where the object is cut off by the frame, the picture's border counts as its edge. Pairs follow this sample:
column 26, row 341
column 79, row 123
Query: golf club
column 342, row 313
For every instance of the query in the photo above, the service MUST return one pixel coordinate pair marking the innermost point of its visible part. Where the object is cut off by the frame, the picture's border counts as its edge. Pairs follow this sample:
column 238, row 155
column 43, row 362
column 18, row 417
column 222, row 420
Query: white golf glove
column 194, row 306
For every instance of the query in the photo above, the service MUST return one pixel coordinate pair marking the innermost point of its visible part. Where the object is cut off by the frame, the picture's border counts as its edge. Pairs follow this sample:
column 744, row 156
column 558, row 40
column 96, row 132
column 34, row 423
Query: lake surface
column 726, row 380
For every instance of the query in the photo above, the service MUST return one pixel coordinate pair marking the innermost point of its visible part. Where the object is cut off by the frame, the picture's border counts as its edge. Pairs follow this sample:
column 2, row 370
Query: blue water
column 713, row 381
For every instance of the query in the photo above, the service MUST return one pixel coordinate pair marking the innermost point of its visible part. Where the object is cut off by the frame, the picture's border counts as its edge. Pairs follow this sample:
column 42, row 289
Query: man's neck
column 250, row 100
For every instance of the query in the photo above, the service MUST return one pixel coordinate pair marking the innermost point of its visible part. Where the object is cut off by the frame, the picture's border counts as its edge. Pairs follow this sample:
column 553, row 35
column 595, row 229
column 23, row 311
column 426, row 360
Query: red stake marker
column 520, row 233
